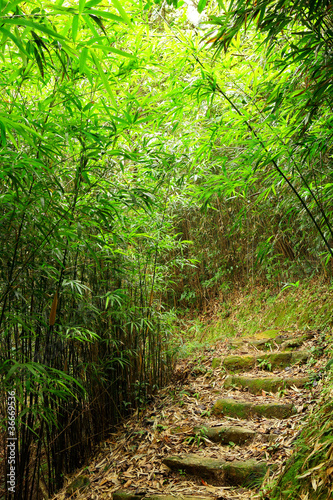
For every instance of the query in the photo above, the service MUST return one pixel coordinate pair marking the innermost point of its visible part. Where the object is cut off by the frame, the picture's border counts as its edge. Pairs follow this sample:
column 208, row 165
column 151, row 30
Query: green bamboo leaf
column 104, row 79
column 36, row 26
column 120, row 52
column 99, row 23
column 10, row 35
column 12, row 138
column 121, row 11
column 81, row 5
column 75, row 26
column 59, row 8
column 105, row 15
column 2, row 134
column 11, row 6
column 91, row 26
column 91, row 3
column 18, row 126
column 39, row 62
column 201, row 5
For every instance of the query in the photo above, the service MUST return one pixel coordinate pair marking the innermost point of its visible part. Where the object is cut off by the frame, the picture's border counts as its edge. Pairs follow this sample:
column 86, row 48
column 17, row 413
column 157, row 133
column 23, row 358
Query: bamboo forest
column 166, row 249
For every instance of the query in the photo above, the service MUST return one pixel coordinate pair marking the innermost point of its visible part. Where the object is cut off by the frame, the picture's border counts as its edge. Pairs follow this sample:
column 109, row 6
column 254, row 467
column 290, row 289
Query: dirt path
column 229, row 420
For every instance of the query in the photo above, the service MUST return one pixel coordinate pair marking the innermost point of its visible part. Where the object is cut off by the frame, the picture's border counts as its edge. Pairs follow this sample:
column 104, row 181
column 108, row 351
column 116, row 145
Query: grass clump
column 309, row 472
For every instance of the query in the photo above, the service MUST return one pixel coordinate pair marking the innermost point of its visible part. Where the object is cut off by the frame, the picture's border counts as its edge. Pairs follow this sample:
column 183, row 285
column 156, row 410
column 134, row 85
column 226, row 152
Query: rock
column 178, row 497
column 123, row 495
column 216, row 363
column 292, row 343
column 79, row 483
column 269, row 384
column 236, row 409
column 239, row 363
column 299, row 357
column 266, row 340
column 219, row 472
column 267, row 335
column 225, row 435
column 275, row 410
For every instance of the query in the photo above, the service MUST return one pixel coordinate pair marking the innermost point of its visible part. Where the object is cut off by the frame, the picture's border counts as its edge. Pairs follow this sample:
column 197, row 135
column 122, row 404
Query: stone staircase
column 243, row 473
column 248, row 404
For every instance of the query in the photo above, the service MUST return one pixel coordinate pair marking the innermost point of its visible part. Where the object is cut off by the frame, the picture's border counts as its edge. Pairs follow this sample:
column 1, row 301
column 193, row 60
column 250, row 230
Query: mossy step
column 236, row 363
column 79, row 484
column 286, row 341
column 243, row 473
column 296, row 341
column 269, row 384
column 226, row 435
column 123, row 495
column 245, row 410
column 260, row 339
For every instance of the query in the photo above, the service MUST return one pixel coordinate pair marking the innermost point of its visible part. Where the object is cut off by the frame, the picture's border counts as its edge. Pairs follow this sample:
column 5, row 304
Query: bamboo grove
column 147, row 166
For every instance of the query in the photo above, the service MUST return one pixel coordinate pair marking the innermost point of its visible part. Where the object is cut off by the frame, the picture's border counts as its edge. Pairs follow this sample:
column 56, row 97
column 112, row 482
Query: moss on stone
column 123, row 495
column 244, row 473
column 79, row 483
column 177, row 497
column 269, row 361
column 276, row 359
column 216, row 363
column 299, row 357
column 225, row 435
column 248, row 473
column 268, row 334
column 235, row 409
column 283, row 358
column 232, row 408
column 292, row 343
column 279, row 411
column 269, row 384
column 239, row 363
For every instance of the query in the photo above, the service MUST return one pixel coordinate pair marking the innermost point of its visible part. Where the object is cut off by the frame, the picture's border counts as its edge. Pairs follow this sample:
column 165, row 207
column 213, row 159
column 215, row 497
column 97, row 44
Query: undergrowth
column 308, row 306
column 308, row 473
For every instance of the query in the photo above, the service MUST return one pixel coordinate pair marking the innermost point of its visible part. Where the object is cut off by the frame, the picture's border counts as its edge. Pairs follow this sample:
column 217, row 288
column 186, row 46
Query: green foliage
column 140, row 178
column 307, row 471
column 264, row 364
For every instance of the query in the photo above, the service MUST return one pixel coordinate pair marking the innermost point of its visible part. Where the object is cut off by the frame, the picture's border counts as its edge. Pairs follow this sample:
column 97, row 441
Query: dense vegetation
column 148, row 165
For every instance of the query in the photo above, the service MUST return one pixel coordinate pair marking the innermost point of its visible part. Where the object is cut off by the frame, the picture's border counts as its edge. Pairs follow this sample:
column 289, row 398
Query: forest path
column 229, row 419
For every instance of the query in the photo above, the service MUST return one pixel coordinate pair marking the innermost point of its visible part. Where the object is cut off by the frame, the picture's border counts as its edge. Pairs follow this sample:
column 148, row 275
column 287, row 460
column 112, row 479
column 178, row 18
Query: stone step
column 236, row 363
column 123, row 495
column 244, row 410
column 219, row 472
column 267, row 384
column 226, row 435
column 286, row 341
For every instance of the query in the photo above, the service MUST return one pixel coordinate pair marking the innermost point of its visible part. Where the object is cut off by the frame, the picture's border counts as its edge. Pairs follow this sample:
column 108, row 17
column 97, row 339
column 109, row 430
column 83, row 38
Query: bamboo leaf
column 81, row 5
column 201, row 5
column 99, row 23
column 123, row 14
column 14, row 39
column 36, row 26
column 104, row 79
column 75, row 26
column 105, row 15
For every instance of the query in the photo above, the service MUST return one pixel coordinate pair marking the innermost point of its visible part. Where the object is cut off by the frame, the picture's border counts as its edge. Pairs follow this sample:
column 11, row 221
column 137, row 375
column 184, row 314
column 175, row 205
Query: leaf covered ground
column 131, row 458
